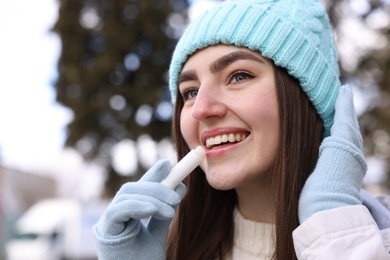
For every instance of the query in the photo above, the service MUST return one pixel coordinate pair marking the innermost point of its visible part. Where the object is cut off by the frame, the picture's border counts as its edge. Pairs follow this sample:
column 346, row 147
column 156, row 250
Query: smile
column 224, row 139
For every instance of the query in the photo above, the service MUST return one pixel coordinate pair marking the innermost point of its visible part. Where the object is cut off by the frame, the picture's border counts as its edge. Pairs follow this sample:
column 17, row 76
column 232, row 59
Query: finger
column 118, row 219
column 139, row 207
column 159, row 228
column 344, row 105
column 181, row 190
column 155, row 190
column 346, row 124
column 124, row 210
column 158, row 172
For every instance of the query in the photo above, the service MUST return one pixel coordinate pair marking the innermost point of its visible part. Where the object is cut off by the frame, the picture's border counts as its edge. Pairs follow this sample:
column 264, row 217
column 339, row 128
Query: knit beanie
column 295, row 34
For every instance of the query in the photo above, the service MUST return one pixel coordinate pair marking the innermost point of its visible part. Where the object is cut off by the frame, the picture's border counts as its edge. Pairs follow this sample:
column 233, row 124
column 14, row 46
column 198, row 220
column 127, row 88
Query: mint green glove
column 120, row 233
column 337, row 178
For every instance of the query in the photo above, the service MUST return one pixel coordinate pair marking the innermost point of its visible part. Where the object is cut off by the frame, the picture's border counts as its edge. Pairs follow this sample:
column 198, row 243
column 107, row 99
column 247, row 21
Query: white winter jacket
column 350, row 233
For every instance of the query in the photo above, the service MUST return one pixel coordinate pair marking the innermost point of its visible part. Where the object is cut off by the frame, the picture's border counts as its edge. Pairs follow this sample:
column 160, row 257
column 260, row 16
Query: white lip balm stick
column 184, row 167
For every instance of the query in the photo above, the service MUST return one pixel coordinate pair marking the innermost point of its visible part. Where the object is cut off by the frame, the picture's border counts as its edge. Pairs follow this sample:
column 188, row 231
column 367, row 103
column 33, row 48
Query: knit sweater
column 252, row 240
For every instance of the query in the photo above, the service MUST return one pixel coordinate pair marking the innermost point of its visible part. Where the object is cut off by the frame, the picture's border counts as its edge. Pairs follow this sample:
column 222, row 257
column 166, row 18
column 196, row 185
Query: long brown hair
column 203, row 226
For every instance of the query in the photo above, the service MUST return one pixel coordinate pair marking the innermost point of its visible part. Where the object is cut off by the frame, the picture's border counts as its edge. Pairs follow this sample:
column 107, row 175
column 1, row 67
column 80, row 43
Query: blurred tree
column 112, row 72
column 363, row 30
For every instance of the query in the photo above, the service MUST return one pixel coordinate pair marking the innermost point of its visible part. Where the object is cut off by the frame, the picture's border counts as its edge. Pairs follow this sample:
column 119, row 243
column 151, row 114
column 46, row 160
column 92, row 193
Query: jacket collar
column 378, row 207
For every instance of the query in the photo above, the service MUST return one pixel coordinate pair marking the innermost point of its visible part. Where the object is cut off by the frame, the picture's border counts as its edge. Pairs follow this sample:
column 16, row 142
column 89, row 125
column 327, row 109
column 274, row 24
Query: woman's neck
column 255, row 202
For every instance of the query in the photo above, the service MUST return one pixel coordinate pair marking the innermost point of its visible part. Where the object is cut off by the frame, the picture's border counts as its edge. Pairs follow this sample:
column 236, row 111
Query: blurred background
column 85, row 107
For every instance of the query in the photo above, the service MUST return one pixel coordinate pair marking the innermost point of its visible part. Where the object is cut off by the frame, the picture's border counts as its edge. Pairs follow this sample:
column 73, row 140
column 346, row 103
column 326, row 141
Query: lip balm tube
column 184, row 167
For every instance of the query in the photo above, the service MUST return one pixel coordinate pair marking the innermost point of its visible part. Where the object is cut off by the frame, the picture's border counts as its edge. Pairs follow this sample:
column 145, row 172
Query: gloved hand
column 120, row 233
column 337, row 178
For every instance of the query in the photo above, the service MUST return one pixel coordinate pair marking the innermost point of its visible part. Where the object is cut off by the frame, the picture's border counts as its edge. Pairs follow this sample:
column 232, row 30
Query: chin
column 223, row 184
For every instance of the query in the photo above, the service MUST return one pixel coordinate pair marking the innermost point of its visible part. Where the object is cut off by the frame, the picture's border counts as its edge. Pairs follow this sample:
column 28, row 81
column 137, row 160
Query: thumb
column 346, row 124
column 159, row 229
column 158, row 172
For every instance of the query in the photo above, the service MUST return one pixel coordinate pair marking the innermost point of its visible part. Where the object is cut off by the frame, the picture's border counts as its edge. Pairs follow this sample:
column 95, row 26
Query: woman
column 255, row 83
column 242, row 100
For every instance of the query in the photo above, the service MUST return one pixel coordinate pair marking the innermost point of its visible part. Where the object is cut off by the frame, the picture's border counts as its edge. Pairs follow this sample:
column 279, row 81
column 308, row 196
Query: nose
column 208, row 104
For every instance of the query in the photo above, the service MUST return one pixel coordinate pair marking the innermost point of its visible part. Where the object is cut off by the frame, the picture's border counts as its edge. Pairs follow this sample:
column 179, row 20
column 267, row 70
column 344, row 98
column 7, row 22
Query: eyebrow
column 219, row 64
column 230, row 58
column 187, row 76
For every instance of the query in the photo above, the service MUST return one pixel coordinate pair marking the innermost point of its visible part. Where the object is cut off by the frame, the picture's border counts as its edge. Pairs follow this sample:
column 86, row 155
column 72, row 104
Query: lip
column 220, row 150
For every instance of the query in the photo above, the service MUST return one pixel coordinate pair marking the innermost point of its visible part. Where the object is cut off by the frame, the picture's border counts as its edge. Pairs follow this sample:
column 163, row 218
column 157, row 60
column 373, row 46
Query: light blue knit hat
column 295, row 34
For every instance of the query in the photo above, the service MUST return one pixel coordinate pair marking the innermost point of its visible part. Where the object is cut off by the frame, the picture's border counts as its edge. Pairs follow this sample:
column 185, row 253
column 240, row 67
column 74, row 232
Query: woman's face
column 231, row 109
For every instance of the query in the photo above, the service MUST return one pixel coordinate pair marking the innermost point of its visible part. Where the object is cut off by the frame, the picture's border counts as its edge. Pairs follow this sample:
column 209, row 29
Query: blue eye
column 239, row 76
column 189, row 93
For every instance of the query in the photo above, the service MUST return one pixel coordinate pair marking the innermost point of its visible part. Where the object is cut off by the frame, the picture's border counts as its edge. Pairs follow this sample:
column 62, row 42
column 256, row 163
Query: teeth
column 219, row 139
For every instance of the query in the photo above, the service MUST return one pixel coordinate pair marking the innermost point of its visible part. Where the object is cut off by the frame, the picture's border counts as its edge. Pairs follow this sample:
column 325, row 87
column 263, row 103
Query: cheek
column 263, row 109
column 266, row 120
column 268, row 114
column 187, row 128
